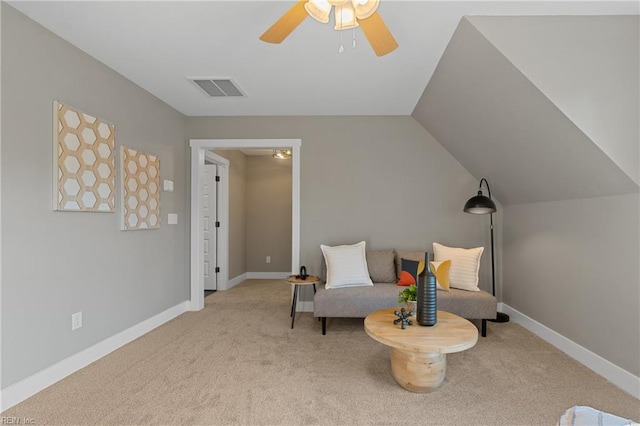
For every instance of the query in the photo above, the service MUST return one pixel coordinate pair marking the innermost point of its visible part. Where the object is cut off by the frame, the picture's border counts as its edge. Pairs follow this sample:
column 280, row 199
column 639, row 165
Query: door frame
column 200, row 148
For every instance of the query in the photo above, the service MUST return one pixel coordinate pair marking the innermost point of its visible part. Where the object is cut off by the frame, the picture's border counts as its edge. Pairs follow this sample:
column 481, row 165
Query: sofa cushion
column 411, row 270
column 381, row 265
column 409, row 255
column 465, row 264
column 354, row 302
column 358, row 302
column 441, row 270
column 346, row 265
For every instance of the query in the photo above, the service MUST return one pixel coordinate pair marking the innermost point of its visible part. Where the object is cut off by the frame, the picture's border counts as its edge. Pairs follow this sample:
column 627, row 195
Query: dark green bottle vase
column 427, row 311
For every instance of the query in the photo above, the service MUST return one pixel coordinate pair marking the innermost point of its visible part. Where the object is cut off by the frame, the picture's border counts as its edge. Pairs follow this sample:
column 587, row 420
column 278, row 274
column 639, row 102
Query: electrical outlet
column 76, row 321
column 268, row 259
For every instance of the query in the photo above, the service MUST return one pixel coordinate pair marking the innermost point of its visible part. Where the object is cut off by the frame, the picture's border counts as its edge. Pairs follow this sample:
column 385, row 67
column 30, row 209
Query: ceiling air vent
column 218, row 87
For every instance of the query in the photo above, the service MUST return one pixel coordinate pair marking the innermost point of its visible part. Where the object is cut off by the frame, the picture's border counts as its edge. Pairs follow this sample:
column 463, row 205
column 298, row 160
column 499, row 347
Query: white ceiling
column 160, row 44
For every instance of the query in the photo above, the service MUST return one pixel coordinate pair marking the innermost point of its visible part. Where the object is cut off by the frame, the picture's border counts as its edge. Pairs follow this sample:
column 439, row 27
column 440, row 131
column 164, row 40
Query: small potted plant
column 409, row 296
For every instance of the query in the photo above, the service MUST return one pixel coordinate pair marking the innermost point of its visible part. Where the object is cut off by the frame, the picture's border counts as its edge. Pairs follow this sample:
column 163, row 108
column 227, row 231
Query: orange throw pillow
column 411, row 270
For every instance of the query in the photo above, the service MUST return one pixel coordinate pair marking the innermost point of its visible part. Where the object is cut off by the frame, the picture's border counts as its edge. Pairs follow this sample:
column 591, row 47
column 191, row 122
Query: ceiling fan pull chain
column 341, row 48
column 354, row 39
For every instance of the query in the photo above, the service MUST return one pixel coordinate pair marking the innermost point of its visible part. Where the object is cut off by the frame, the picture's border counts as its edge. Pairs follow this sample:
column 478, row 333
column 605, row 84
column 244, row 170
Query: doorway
column 199, row 150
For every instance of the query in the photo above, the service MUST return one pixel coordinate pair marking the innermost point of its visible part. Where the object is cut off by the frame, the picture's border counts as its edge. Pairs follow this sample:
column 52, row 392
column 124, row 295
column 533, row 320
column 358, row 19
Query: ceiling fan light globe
column 345, row 17
column 365, row 8
column 318, row 10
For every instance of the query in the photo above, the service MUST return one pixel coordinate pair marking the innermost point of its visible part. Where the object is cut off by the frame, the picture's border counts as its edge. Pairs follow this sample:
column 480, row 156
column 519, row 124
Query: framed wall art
column 83, row 161
column 140, row 192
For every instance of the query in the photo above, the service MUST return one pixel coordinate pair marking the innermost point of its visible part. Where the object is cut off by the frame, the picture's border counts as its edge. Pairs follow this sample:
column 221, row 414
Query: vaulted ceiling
column 540, row 97
column 160, row 44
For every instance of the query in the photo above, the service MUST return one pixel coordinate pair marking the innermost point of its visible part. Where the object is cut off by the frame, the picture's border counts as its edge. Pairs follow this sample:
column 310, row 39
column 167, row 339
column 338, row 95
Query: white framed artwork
column 140, row 190
column 83, row 161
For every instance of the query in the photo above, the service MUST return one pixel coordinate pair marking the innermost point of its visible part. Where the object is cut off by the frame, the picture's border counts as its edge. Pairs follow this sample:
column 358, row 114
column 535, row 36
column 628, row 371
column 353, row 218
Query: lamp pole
column 483, row 205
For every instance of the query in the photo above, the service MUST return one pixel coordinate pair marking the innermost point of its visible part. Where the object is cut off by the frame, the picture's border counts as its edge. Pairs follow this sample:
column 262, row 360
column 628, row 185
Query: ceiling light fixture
column 365, row 8
column 282, row 154
column 349, row 14
column 345, row 17
column 318, row 10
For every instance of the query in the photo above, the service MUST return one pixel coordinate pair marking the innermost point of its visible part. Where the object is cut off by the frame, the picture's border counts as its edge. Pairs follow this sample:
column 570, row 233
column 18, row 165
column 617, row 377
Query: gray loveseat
column 384, row 268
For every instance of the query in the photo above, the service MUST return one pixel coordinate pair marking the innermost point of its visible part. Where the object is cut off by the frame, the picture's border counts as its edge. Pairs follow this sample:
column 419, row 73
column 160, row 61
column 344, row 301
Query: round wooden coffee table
column 418, row 353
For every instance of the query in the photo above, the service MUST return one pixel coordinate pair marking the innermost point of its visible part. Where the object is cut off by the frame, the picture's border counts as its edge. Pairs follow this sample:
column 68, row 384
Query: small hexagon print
column 141, row 176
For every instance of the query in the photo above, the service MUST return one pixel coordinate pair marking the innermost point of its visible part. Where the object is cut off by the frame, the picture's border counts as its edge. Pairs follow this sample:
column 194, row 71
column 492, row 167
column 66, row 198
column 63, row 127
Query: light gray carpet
column 238, row 362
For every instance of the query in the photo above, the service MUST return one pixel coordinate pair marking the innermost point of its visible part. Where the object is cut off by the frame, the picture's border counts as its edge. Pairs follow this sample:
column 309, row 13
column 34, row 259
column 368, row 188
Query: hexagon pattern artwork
column 140, row 175
column 85, row 163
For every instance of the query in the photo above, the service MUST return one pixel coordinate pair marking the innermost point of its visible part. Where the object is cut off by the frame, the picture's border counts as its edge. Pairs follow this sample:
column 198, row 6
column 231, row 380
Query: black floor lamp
column 479, row 204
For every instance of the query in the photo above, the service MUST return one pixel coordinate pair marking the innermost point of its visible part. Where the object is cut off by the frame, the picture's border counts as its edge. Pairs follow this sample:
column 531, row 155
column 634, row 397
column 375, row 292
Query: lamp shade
column 480, row 204
column 318, row 10
column 345, row 17
column 365, row 8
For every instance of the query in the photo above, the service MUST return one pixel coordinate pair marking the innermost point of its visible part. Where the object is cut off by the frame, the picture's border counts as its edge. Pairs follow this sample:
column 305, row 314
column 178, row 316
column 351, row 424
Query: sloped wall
column 588, row 66
column 569, row 188
column 498, row 124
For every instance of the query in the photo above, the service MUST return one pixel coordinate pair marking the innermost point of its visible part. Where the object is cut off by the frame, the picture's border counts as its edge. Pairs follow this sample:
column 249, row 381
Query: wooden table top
column 450, row 334
column 311, row 279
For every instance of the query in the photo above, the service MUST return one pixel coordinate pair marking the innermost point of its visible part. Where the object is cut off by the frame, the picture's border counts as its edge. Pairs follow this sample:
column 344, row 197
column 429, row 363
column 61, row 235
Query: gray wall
column 588, row 66
column 58, row 263
column 546, row 108
column 259, row 213
column 384, row 180
column 573, row 266
column 268, row 214
column 237, row 211
column 490, row 116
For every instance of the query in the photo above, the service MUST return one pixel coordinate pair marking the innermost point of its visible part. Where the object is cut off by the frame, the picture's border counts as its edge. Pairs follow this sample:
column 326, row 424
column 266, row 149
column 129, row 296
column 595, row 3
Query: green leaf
column 408, row 294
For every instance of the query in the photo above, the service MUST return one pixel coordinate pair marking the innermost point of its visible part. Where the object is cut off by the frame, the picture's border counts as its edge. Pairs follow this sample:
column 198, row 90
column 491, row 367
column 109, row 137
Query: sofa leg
column 324, row 325
column 484, row 328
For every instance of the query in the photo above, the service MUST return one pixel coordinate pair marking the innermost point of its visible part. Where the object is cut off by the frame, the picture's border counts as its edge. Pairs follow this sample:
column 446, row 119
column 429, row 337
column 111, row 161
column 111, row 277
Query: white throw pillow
column 465, row 264
column 346, row 266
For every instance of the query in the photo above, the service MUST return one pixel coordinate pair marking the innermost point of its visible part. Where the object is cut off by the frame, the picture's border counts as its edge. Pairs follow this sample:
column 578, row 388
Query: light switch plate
column 172, row 218
column 167, row 185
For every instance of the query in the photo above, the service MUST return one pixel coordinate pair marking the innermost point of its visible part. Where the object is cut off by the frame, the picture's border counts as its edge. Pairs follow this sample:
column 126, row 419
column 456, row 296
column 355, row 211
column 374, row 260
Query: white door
column 209, row 219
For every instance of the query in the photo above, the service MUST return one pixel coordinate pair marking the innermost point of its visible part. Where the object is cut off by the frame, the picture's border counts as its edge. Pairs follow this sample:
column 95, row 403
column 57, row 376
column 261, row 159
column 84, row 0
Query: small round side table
column 294, row 279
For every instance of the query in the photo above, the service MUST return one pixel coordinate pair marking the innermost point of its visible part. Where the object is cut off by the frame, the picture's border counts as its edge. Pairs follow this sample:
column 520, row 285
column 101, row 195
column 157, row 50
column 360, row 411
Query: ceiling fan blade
column 287, row 23
column 378, row 34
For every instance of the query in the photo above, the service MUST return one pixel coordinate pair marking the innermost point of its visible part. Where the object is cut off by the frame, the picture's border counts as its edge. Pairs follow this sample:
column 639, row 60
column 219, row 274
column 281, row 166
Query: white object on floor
column 587, row 416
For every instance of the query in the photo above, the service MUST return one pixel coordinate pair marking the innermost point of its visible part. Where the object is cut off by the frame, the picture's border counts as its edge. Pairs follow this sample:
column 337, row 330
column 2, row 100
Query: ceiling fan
column 348, row 14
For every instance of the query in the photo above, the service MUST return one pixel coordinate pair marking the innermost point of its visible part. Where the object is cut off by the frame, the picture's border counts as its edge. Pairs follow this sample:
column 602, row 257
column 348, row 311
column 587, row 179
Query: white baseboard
column 267, row 275
column 616, row 375
column 237, row 280
column 255, row 276
column 18, row 392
